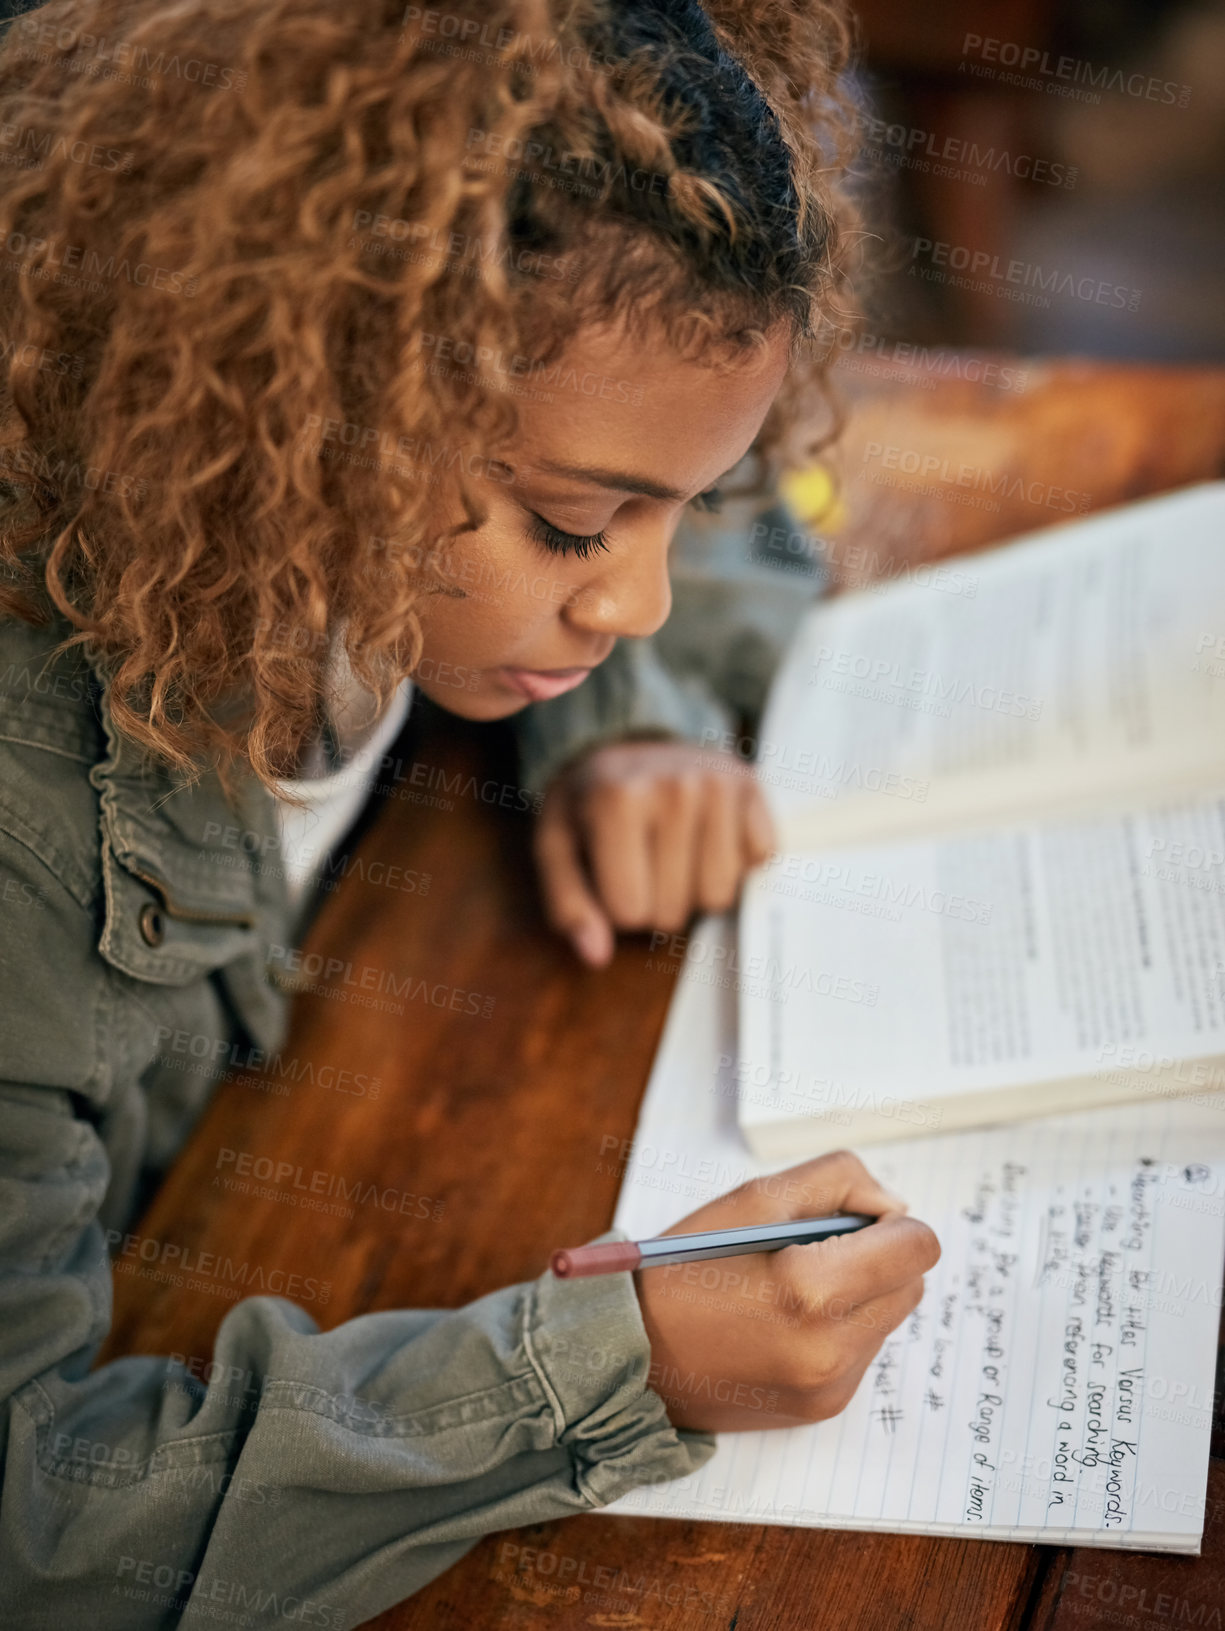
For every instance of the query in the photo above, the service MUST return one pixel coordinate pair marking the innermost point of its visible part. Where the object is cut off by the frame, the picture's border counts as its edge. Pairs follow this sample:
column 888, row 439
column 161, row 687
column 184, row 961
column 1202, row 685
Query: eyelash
column 573, row 543
column 565, row 543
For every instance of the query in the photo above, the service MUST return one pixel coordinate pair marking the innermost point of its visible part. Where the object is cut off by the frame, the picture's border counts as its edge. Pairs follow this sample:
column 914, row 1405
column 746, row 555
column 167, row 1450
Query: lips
column 540, row 684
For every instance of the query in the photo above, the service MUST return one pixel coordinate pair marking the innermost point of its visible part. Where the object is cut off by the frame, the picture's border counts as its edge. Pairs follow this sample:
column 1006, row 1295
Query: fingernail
column 592, row 944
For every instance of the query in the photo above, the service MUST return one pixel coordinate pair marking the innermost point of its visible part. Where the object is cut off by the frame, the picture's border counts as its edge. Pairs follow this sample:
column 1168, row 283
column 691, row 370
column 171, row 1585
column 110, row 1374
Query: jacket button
column 152, row 924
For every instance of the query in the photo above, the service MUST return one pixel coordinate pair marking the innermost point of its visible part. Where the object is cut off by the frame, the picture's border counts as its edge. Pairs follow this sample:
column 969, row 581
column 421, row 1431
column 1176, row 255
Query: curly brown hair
column 220, row 227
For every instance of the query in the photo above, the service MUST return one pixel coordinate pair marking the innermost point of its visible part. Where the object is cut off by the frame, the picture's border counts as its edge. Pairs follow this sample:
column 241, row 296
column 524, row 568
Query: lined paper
column 1055, row 1383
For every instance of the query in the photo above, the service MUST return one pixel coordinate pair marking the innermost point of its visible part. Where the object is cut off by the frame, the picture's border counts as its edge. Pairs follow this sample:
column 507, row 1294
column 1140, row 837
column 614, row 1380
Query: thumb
column 819, row 1188
column 835, row 1183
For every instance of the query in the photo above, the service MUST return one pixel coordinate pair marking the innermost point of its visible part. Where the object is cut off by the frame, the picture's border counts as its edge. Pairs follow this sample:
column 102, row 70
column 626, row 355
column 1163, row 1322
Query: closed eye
column 559, row 542
column 564, row 543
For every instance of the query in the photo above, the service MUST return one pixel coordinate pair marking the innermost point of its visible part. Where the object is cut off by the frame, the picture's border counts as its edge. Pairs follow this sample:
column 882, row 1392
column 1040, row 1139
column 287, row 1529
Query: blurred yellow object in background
column 812, row 498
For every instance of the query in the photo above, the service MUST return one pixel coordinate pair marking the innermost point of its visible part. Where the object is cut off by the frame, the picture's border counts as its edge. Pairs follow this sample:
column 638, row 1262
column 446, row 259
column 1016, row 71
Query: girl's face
column 580, row 511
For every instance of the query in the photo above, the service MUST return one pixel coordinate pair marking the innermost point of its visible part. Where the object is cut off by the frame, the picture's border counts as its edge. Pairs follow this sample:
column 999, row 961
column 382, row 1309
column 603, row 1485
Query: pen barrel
column 700, row 1248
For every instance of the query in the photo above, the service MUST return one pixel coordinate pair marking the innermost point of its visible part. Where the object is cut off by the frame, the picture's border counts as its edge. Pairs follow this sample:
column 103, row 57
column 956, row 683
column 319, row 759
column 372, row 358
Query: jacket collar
column 208, row 858
column 199, row 851
column 191, row 883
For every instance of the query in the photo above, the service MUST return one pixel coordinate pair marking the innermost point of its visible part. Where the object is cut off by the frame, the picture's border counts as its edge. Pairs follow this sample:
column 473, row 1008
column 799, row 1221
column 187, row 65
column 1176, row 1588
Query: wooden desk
column 501, row 1119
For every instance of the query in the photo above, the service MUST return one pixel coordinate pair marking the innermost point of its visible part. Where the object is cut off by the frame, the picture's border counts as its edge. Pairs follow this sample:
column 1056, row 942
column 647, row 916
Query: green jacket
column 352, row 1465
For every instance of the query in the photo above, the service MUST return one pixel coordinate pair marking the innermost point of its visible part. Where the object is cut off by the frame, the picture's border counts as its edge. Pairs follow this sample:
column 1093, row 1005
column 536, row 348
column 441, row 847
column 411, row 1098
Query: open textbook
column 1056, row 1382
column 1000, row 890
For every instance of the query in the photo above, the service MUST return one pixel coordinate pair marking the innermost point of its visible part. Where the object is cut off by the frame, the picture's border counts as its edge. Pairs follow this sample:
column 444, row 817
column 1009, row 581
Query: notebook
column 1001, row 796
column 1056, row 1382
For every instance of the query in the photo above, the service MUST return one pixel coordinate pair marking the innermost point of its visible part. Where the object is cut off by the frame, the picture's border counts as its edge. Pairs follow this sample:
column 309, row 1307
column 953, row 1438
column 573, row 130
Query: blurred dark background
column 1047, row 177
column 1080, row 143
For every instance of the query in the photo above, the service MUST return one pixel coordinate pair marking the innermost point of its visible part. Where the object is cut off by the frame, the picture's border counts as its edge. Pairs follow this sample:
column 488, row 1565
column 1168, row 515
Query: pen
column 571, row 1262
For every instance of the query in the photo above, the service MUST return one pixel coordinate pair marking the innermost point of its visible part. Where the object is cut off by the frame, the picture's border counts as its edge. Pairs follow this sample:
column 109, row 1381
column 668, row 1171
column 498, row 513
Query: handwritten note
column 1056, row 1381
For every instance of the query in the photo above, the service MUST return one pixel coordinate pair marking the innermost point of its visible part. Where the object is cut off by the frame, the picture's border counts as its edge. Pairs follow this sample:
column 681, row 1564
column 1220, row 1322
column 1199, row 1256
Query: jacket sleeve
column 310, row 1477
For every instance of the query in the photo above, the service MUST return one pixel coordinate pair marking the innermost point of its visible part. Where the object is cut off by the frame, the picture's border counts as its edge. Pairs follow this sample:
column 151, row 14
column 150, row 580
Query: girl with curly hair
column 352, row 350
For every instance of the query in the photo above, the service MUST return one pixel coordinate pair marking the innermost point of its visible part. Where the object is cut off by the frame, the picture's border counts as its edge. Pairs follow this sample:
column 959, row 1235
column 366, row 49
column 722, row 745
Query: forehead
column 622, row 401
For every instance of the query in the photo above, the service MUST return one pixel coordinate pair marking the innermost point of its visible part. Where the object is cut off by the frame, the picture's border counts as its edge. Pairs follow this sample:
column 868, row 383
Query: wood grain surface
column 505, row 1073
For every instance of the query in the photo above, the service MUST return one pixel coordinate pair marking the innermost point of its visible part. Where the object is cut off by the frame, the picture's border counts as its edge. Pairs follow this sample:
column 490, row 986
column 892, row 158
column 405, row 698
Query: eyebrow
column 620, row 481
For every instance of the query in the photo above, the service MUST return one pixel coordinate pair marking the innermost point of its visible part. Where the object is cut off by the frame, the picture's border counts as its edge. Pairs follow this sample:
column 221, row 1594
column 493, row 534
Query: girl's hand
column 639, row 835
column 777, row 1338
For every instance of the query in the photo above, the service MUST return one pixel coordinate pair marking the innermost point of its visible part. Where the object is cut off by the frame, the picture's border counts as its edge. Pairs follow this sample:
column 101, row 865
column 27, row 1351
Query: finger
column 865, row 1325
column 822, row 1376
column 673, row 843
column 570, row 904
column 760, row 834
column 616, row 826
column 720, row 863
column 849, row 1270
column 833, row 1398
column 838, row 1182
column 879, row 1318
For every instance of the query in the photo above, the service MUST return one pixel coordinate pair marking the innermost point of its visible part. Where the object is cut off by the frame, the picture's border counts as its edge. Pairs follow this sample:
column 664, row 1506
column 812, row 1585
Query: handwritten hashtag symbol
column 932, row 1400
column 888, row 1415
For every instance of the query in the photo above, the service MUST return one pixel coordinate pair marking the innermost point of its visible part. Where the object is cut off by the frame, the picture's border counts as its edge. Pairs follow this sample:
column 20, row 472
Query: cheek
column 511, row 587
column 499, row 615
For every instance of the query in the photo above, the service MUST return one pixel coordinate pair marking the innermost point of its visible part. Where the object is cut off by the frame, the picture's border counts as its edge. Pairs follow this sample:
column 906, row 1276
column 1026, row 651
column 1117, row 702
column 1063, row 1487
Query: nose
column 630, row 596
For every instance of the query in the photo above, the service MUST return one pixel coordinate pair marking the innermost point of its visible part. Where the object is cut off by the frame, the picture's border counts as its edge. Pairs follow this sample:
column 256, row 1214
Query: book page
column 882, row 987
column 1055, row 1383
column 1054, row 673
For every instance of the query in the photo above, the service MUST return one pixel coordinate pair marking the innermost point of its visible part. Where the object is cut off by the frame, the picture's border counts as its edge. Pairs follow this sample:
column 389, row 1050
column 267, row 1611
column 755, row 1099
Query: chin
column 476, row 705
